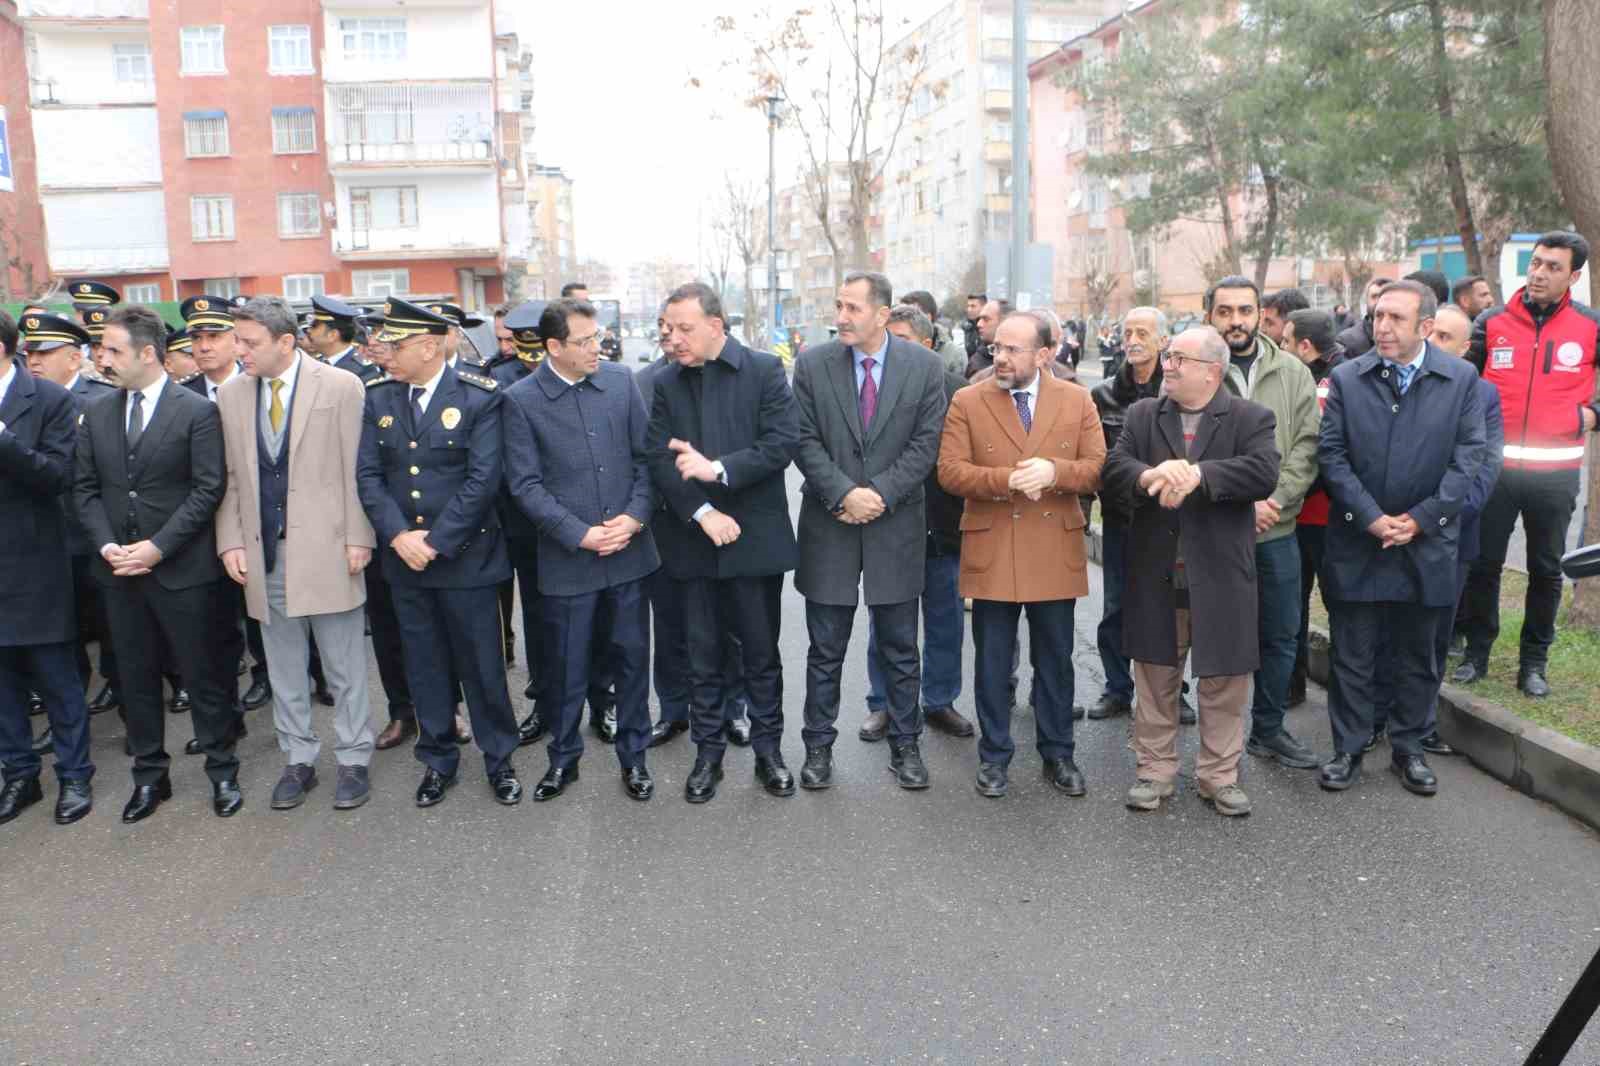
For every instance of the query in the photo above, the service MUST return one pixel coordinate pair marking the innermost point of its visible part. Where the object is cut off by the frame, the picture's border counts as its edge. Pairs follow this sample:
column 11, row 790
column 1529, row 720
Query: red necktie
column 869, row 392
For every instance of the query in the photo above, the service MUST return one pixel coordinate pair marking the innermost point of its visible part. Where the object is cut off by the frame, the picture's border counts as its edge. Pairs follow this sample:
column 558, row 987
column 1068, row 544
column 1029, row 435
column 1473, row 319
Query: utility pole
column 1019, row 151
column 772, row 221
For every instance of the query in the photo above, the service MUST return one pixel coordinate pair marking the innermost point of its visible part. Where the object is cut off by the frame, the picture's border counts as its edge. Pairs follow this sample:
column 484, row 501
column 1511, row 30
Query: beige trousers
column 1155, row 720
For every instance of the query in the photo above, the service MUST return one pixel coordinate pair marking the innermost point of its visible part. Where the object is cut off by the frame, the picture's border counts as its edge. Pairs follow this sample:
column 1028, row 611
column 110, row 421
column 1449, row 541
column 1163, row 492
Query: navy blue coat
column 36, row 466
column 749, row 421
column 84, row 391
column 443, row 478
column 349, row 361
column 1386, row 454
column 575, row 458
column 1494, row 425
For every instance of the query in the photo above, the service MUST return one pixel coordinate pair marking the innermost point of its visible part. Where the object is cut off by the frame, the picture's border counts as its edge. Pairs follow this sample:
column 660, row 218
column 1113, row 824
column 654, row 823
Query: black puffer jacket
column 1357, row 339
column 1113, row 398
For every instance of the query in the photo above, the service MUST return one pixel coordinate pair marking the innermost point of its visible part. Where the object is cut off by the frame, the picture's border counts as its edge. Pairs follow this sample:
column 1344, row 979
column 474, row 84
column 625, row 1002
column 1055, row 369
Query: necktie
column 275, row 409
column 1022, row 410
column 869, row 392
column 416, row 406
column 136, row 421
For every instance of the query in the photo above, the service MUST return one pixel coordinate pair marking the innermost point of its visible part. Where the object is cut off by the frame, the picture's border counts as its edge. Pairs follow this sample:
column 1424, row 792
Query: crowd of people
column 293, row 487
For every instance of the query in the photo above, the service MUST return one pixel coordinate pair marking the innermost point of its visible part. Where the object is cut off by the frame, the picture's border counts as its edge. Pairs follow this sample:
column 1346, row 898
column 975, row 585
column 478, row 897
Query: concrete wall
column 98, row 147
column 82, row 67
column 441, row 42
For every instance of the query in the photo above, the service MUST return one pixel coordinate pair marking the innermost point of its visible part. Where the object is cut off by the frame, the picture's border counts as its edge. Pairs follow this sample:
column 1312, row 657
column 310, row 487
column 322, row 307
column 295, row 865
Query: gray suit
column 883, row 558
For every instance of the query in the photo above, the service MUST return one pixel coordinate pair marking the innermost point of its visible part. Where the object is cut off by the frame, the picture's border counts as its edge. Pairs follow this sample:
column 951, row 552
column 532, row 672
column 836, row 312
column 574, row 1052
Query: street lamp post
column 1019, row 151
column 772, row 220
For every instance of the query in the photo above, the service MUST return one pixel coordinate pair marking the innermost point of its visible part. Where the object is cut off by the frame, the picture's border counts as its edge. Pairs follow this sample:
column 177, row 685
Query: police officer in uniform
column 457, row 352
column 514, row 361
column 429, row 471
column 522, row 537
column 331, row 332
column 93, row 301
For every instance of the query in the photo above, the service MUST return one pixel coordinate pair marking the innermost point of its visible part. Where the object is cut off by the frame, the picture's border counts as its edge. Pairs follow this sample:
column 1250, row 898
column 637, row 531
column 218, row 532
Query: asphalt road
column 860, row 925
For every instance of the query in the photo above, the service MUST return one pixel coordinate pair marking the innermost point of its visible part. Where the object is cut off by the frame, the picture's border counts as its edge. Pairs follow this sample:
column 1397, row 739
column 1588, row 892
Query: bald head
column 1452, row 329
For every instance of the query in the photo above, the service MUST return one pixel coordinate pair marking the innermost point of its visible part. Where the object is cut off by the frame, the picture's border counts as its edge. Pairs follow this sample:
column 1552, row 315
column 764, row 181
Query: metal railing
column 420, row 122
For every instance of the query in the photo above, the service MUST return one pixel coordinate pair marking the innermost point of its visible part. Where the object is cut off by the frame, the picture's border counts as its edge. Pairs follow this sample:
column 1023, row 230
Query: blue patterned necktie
column 1021, row 396
column 1405, row 372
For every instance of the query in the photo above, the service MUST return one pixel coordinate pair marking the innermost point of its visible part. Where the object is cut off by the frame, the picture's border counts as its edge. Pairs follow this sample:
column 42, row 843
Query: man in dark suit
column 670, row 665
column 590, row 503
column 429, row 470
column 38, row 625
column 55, row 349
column 150, row 474
column 1190, row 465
column 871, row 410
column 331, row 333
column 1402, row 438
column 722, row 430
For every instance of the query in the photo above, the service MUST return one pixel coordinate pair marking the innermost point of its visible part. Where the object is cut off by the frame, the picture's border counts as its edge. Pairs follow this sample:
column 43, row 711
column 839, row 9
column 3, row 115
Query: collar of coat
column 1169, row 418
column 553, row 384
column 1432, row 361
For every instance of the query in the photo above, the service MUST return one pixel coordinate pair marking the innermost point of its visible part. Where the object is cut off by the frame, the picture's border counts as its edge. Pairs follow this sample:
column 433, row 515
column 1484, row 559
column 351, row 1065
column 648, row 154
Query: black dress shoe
column 505, row 786
column 104, row 700
column 258, row 694
column 240, row 731
column 905, row 762
column 226, row 799
column 991, row 780
column 1469, row 672
column 1531, row 682
column 1108, row 706
column 530, row 690
column 44, row 741
column 1341, row 773
column 146, row 798
column 35, row 703
column 739, row 732
column 17, row 796
column 637, row 783
column 817, row 771
column 433, row 787
column 773, row 775
column 322, row 695
column 75, row 801
column 701, row 784
column 181, row 704
column 531, row 729
column 1064, row 776
column 397, row 732
column 554, row 782
column 664, row 731
column 604, row 725
column 1415, row 774
column 1379, row 731
column 1434, row 744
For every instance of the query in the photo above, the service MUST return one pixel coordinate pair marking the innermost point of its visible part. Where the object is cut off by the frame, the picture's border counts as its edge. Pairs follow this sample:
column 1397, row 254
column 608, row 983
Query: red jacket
column 1544, row 370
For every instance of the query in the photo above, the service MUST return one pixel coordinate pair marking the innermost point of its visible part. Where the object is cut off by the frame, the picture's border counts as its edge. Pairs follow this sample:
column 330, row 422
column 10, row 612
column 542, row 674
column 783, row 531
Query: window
column 302, row 286
column 142, row 294
column 384, row 207
column 299, row 214
column 226, row 287
column 379, row 284
column 996, row 75
column 374, row 40
column 294, row 130
column 211, row 219
column 289, row 49
column 132, row 62
column 205, row 133
column 1095, row 136
column 202, row 49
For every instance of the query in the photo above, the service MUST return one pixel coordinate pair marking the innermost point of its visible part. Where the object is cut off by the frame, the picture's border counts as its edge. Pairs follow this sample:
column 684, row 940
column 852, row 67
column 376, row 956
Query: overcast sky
column 614, row 108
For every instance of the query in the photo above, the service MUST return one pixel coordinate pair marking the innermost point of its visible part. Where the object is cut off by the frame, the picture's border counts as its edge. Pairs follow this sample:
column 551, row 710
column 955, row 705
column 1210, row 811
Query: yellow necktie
column 275, row 409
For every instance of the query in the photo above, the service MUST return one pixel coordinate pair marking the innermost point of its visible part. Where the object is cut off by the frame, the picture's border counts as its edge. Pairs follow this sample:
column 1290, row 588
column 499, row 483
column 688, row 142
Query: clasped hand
column 860, row 506
column 610, row 536
column 131, row 560
column 1031, row 477
column 1171, row 482
column 413, row 548
column 1394, row 531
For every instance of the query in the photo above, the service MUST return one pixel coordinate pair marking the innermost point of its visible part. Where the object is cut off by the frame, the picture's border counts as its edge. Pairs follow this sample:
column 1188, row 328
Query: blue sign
column 5, row 154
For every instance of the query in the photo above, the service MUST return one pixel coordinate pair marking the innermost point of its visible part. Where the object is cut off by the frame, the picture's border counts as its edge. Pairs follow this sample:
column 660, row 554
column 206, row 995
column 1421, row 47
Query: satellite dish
column 1075, row 199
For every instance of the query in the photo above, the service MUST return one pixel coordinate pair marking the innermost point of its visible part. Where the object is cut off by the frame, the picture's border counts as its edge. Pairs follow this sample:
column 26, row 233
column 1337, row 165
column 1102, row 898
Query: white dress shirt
column 1032, row 391
column 428, row 389
column 212, row 386
column 152, row 396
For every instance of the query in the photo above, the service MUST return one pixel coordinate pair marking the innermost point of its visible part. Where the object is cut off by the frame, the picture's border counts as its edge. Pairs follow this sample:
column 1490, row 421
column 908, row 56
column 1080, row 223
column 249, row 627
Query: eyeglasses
column 1177, row 359
column 591, row 341
column 1009, row 350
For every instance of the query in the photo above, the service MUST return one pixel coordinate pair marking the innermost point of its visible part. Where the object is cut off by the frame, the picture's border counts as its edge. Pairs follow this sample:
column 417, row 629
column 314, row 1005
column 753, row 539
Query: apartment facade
column 295, row 148
column 554, row 254
column 947, row 187
column 22, row 262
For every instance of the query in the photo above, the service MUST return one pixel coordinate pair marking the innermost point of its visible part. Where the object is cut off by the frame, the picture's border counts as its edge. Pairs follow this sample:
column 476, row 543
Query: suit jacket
column 36, row 451
column 324, row 513
column 172, row 488
column 84, row 391
column 1215, row 528
column 748, row 422
column 893, row 456
column 1013, row 549
column 442, row 476
column 575, row 458
column 1494, row 425
column 1383, row 453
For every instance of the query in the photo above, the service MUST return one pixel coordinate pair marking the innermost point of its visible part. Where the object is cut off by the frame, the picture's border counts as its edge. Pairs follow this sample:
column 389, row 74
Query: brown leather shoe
column 397, row 732
column 875, row 727
column 948, row 720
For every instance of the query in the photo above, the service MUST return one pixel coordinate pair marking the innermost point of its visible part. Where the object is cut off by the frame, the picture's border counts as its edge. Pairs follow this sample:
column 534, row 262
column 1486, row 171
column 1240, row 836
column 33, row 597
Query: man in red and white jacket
column 1539, row 351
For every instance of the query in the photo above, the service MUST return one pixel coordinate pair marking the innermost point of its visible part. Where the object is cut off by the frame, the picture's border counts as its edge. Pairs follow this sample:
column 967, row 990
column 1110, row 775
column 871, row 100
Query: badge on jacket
column 450, row 418
column 386, row 421
column 1501, row 358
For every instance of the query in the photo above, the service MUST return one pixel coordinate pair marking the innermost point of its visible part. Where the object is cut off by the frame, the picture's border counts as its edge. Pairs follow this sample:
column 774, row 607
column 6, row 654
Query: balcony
column 997, row 99
column 76, row 10
column 110, row 259
column 997, row 152
column 997, row 203
column 413, row 242
column 54, row 92
column 387, row 124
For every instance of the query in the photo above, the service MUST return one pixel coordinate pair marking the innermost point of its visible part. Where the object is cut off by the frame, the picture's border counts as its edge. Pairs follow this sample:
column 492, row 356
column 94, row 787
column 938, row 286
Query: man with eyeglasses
column 1192, row 462
column 1020, row 449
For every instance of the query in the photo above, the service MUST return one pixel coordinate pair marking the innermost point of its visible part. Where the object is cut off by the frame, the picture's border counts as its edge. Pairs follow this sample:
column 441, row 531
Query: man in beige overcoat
column 291, row 530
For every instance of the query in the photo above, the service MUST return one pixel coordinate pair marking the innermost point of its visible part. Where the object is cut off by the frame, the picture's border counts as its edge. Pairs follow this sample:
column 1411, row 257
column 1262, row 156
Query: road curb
column 1531, row 758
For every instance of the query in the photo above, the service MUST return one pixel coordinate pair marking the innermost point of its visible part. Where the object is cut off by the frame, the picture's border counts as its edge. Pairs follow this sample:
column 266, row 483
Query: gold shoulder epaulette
column 382, row 379
column 486, row 384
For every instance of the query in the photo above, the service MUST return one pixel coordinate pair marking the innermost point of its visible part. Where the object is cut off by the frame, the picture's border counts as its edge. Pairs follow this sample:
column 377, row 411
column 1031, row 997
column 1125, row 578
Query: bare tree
column 846, row 90
column 1098, row 285
column 742, row 223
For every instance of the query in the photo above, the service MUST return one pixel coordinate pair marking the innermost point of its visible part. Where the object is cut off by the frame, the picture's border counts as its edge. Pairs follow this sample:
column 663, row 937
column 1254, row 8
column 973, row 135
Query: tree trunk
column 1572, row 126
column 1269, row 229
column 1444, row 100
